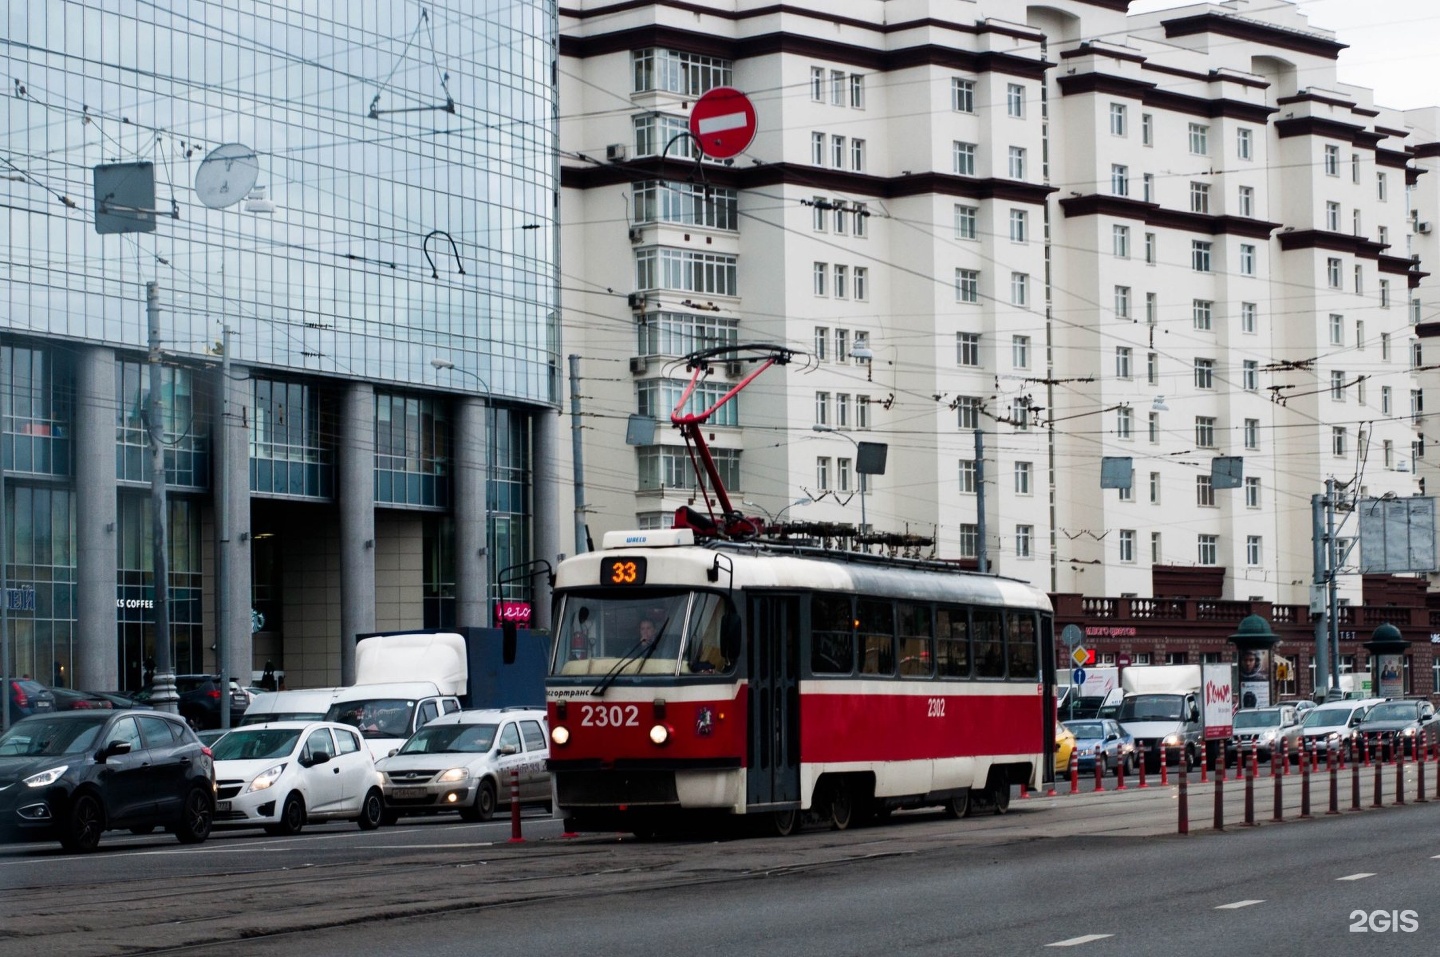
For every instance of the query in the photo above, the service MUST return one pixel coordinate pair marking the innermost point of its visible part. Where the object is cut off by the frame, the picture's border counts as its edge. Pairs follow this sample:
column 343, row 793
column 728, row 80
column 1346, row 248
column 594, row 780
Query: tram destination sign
column 623, row 571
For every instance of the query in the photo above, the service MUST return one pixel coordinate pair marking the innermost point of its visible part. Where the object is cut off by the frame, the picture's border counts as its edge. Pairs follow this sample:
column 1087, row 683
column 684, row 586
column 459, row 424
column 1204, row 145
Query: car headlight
column 1268, row 737
column 1172, row 740
column 266, row 778
column 45, row 778
column 1409, row 732
column 452, row 776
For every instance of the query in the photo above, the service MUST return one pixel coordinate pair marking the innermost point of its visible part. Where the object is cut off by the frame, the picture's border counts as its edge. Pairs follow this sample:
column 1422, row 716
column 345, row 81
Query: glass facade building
column 380, row 245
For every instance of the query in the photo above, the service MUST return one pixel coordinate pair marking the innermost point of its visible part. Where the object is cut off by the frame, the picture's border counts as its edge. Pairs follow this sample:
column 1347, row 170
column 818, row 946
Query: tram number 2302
column 935, row 708
column 609, row 715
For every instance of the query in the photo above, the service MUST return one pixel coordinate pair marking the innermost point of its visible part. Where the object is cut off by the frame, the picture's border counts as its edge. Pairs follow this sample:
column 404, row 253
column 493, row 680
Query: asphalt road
column 1099, row 874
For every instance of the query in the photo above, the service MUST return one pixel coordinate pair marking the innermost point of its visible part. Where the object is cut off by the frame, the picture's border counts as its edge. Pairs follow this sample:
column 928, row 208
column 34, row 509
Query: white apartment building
column 1167, row 238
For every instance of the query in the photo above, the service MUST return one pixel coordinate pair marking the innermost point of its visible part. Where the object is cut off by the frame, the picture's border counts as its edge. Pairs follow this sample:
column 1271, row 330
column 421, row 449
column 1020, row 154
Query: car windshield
column 1394, row 711
column 375, row 717
column 1086, row 729
column 450, row 739
column 260, row 743
column 1151, row 707
column 1268, row 718
column 1326, row 718
column 50, row 737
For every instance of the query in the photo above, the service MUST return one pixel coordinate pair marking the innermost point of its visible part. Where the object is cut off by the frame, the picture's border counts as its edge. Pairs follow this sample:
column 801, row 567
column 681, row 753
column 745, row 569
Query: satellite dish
column 227, row 175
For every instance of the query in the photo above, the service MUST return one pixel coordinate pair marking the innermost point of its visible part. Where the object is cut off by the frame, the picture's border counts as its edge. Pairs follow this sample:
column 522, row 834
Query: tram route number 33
column 935, row 708
column 609, row 716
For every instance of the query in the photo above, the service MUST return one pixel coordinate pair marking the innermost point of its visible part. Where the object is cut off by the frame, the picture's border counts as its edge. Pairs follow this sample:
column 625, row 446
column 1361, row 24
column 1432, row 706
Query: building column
column 233, row 429
column 356, row 493
column 470, row 475
column 545, row 511
column 97, row 659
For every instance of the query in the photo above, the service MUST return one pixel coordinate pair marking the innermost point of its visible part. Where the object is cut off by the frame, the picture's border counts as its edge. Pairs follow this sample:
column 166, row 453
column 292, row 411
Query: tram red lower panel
column 836, row 728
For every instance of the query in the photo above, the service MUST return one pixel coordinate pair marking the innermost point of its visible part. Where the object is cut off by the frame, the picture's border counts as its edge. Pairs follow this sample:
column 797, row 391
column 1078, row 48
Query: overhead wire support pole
column 4, row 558
column 582, row 544
column 222, row 534
column 1332, row 589
column 1319, row 593
column 164, row 697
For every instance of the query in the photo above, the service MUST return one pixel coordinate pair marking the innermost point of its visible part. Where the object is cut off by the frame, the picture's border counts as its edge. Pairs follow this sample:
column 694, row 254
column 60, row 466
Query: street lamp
column 775, row 519
column 442, row 365
column 869, row 460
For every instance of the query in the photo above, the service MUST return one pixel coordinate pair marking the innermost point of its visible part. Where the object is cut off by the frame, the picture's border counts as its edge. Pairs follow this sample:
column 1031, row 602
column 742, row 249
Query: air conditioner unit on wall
column 1423, row 227
column 639, row 365
column 615, row 152
column 635, row 234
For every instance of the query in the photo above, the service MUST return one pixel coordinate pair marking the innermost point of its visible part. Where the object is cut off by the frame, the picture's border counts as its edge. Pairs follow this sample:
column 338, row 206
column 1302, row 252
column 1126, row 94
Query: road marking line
column 1354, row 877
column 721, row 123
column 1237, row 905
column 1076, row 941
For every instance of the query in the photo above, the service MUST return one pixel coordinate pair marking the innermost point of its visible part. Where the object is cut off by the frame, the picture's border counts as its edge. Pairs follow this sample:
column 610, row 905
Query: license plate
column 403, row 793
column 222, row 805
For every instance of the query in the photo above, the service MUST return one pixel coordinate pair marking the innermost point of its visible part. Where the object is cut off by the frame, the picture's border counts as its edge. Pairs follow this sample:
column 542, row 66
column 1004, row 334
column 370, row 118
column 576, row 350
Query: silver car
column 467, row 762
column 1268, row 731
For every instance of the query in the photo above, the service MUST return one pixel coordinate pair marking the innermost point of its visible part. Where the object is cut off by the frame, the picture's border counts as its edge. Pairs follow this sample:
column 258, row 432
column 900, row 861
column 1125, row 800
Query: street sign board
column 723, row 122
column 1072, row 635
column 1080, row 655
column 1077, row 676
column 1122, row 660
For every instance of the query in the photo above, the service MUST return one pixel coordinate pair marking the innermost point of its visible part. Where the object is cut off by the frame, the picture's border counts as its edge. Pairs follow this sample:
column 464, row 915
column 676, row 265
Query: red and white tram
column 783, row 680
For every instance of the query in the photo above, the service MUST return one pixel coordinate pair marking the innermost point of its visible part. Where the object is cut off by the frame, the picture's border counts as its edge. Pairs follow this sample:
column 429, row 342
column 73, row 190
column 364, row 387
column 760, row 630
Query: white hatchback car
column 285, row 774
column 464, row 762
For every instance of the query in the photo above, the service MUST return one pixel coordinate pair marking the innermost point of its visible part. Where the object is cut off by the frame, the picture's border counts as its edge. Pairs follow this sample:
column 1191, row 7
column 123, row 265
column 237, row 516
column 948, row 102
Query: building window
column 1359, row 280
column 1204, row 373
column 1154, row 488
column 1209, row 546
column 1019, row 289
column 688, row 74
column 1017, row 162
column 1017, row 225
column 962, row 95
column 1147, row 129
column 1120, row 241
column 1384, row 294
column 1204, row 492
column 687, row 204
column 1150, row 249
column 842, row 287
column 1381, row 190
column 968, row 407
column 1127, row 545
column 843, row 471
column 1117, row 119
column 1199, row 139
column 819, row 273
column 1247, row 259
column 822, row 340
column 822, row 472
column 862, row 283
column 967, row 285
column 817, row 84
column 817, row 149
column 965, row 222
column 1252, row 492
column 1337, row 385
column 1022, row 478
column 862, row 218
column 1252, row 550
column 1119, row 180
column 654, row 131
column 1024, row 536
column 822, row 408
column 1202, row 312
column 1155, row 547
column 1417, row 406
column 857, row 156
column 1249, row 313
column 1332, row 217
column 1244, row 145
column 1020, row 414
column 1200, row 255
column 967, row 348
column 1360, row 335
column 685, row 271
column 1147, row 187
column 1252, row 433
column 1205, row 431
column 1337, row 329
column 1152, row 308
column 681, row 333
column 969, row 544
column 1385, row 346
column 1124, row 422
column 967, row 476
column 1250, row 375
column 1355, row 168
column 1385, row 403
column 818, row 219
column 842, row 410
column 1020, row 351
column 1152, row 368
column 412, row 451
column 1332, row 273
column 1246, row 205
column 1122, row 302
column 964, row 157
column 857, row 91
column 862, row 412
column 1332, row 161
column 1154, row 423
column 1337, row 441
column 837, row 151
column 1014, row 100
column 1388, row 449
column 1199, row 197
column 1122, row 362
column 842, row 345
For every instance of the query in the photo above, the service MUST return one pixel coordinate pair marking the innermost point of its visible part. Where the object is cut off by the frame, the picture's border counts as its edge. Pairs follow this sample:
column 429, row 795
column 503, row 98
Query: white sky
column 1394, row 45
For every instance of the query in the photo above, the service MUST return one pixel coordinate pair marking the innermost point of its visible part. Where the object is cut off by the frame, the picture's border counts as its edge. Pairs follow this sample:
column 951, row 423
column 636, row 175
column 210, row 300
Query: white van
column 387, row 714
column 307, row 705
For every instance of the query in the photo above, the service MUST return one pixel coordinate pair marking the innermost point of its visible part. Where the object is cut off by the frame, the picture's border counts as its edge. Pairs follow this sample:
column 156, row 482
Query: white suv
column 464, row 762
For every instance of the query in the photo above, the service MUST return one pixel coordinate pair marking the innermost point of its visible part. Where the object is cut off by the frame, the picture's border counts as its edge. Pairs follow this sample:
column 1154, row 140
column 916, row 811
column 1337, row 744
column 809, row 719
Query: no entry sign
column 723, row 122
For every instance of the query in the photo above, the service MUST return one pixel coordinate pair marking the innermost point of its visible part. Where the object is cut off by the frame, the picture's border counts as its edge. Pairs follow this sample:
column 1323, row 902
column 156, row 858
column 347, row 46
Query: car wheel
column 1130, row 763
column 197, row 817
column 292, row 817
column 84, row 824
column 389, row 818
column 1104, row 765
column 957, row 807
column 372, row 811
column 484, row 807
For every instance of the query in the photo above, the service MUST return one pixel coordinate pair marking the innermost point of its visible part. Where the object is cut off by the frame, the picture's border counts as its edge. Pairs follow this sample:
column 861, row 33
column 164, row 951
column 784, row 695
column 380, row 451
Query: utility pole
column 222, row 533
column 577, row 448
column 1332, row 596
column 164, row 697
column 982, row 553
column 1319, row 595
column 4, row 558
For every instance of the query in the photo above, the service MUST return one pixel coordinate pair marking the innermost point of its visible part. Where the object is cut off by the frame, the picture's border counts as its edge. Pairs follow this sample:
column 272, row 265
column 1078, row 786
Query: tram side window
column 704, row 647
column 952, row 635
column 876, row 625
column 1020, row 644
column 989, row 643
column 832, row 635
column 916, row 640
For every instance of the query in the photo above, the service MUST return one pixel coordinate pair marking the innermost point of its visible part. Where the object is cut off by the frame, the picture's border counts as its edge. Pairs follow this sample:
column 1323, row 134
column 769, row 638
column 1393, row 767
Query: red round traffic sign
column 723, row 122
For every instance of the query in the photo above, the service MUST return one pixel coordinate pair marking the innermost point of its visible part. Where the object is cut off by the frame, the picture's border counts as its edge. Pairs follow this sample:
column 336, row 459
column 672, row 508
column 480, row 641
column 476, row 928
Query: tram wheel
column 958, row 806
column 842, row 806
column 1000, row 796
column 785, row 823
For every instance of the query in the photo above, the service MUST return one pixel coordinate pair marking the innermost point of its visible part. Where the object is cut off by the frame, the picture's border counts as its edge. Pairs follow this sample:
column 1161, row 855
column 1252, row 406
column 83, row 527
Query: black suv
column 200, row 700
column 73, row 775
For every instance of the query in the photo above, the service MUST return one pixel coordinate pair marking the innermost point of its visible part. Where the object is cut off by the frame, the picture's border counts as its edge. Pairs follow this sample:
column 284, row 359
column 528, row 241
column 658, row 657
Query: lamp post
column 483, row 550
column 775, row 519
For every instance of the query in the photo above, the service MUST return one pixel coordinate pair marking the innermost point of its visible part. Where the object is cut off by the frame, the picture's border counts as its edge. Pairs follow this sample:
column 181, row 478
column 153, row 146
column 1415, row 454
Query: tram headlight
column 660, row 735
column 560, row 736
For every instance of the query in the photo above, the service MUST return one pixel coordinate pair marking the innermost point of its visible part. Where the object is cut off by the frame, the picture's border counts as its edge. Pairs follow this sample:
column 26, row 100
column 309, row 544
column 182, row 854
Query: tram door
column 773, row 656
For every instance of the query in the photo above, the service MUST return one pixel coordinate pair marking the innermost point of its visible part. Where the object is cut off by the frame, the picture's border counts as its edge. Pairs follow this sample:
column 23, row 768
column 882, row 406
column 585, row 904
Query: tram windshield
column 662, row 632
